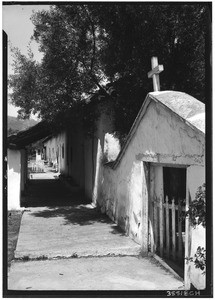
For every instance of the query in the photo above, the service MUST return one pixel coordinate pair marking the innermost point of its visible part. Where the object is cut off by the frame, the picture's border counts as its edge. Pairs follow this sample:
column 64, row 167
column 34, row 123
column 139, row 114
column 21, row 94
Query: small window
column 63, row 151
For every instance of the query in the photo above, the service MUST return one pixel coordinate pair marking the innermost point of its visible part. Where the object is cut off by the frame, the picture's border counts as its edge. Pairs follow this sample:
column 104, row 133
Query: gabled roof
column 187, row 108
column 184, row 105
column 31, row 135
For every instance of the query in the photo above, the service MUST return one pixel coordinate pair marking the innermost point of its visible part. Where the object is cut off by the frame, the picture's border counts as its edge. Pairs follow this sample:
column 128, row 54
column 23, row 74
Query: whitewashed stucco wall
column 14, row 179
column 161, row 137
column 106, row 149
column 121, row 195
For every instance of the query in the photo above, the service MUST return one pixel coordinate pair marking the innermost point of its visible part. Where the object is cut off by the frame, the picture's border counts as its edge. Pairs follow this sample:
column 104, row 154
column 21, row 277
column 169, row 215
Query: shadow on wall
column 79, row 215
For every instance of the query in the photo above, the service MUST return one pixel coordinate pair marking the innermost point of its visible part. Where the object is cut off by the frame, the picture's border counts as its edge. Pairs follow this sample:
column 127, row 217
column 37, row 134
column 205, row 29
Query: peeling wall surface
column 195, row 178
column 14, row 178
column 162, row 138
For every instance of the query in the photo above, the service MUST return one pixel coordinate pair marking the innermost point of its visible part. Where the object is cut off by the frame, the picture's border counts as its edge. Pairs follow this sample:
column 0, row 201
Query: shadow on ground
column 78, row 215
column 51, row 192
column 54, row 199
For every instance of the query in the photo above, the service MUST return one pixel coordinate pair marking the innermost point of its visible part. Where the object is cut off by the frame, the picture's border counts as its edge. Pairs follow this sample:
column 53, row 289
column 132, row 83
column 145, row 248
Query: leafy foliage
column 199, row 259
column 24, row 83
column 88, row 45
column 197, row 216
column 197, row 208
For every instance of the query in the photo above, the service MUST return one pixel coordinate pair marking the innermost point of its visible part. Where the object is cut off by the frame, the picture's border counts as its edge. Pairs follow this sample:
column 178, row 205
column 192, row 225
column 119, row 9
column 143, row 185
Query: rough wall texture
column 161, row 137
column 121, row 195
column 106, row 147
column 14, row 178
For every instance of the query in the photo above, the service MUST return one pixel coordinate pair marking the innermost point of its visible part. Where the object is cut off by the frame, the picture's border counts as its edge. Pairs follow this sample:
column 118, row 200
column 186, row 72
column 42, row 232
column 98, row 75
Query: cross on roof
column 154, row 73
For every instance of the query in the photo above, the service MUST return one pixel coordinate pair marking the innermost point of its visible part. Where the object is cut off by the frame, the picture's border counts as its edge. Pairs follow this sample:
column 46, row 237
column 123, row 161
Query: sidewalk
column 70, row 231
column 59, row 223
column 95, row 273
column 66, row 244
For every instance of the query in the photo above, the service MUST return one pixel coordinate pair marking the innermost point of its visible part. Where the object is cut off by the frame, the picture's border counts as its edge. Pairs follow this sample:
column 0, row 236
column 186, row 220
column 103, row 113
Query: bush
column 197, row 208
column 197, row 215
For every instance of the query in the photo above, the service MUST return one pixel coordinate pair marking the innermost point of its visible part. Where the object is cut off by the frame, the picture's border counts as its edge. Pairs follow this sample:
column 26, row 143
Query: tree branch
column 94, row 38
column 93, row 77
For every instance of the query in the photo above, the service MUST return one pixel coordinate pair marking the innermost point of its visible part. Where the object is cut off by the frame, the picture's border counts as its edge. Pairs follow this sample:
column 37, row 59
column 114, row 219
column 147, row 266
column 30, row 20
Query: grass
column 14, row 221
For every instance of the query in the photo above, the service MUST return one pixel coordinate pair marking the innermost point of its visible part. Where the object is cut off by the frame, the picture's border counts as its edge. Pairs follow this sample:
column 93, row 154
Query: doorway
column 166, row 214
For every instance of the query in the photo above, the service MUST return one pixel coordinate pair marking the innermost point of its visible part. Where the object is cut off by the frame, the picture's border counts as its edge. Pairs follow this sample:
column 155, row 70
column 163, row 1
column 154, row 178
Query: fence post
column 155, row 223
column 167, row 226
column 161, row 226
column 173, row 229
column 151, row 211
column 179, row 230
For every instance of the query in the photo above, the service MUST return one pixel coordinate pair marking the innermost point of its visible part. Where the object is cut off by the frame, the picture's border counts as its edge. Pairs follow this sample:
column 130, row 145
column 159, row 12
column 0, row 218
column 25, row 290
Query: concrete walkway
column 96, row 273
column 59, row 223
column 66, row 244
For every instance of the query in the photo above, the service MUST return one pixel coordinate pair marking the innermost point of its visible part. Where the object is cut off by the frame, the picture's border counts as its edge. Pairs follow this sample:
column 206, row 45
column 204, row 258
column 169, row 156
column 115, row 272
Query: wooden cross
column 154, row 73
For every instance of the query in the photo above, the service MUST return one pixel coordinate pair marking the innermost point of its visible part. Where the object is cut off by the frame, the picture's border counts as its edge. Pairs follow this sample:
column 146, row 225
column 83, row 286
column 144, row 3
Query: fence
column 35, row 167
column 168, row 228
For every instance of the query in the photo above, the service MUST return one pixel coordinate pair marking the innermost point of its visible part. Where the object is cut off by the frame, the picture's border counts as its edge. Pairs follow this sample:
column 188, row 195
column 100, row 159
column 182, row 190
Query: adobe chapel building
column 144, row 186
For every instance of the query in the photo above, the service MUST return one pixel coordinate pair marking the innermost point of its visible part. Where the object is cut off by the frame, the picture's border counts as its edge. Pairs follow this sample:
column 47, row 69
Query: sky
column 19, row 28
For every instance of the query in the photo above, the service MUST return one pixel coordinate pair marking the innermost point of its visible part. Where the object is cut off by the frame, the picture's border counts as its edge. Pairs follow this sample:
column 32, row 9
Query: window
column 63, row 151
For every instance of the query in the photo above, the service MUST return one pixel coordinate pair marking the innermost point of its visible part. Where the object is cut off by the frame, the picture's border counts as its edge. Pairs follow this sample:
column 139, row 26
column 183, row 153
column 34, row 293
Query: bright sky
column 17, row 24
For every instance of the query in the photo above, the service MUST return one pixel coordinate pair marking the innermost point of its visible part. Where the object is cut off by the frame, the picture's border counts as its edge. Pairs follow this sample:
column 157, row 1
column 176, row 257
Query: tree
column 67, row 71
column 24, row 83
column 87, row 45
column 175, row 33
